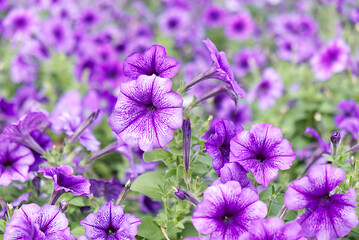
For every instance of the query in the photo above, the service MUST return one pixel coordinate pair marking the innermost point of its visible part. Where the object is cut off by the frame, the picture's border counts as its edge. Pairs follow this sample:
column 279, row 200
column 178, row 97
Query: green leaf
column 78, row 231
column 2, row 226
column 157, row 155
column 148, row 184
column 149, row 229
column 79, row 201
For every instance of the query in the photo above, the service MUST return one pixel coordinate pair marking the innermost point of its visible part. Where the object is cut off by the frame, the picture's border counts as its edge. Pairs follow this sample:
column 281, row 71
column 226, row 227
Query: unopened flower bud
column 335, row 139
column 63, row 205
column 186, row 129
column 190, row 197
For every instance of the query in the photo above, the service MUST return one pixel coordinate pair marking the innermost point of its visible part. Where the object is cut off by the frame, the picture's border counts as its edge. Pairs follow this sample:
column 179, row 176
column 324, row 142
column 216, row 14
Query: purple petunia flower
column 110, row 222
column 58, row 34
column 19, row 23
column 262, row 150
column 147, row 112
column 331, row 58
column 239, row 26
column 273, row 229
column 107, row 190
column 218, row 145
column 87, row 139
column 15, row 161
column 32, row 222
column 246, row 60
column 225, row 108
column 20, row 132
column 348, row 119
column 294, row 25
column 268, row 90
column 174, row 20
column 214, row 17
column 328, row 216
column 65, row 181
column 23, row 69
column 153, row 61
column 227, row 211
column 220, row 69
column 296, row 50
column 149, row 206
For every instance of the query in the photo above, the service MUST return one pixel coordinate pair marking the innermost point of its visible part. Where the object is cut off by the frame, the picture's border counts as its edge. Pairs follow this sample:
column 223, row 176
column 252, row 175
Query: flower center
column 151, row 107
column 8, row 164
column 172, row 23
column 239, row 26
column 111, row 231
column 260, row 157
column 20, row 22
column 214, row 15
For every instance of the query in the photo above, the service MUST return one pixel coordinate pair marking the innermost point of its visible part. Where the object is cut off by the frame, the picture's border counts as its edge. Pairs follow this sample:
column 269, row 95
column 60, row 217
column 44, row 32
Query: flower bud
column 186, row 146
column 190, row 197
column 63, row 205
column 335, row 138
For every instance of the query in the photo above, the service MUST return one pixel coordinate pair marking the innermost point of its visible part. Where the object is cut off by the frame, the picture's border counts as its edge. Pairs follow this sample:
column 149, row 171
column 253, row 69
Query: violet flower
column 262, row 150
column 269, row 89
column 58, row 34
column 273, row 229
column 329, row 215
column 147, row 112
column 19, row 23
column 174, row 20
column 148, row 205
column 107, row 190
column 246, row 60
column 71, row 124
column 41, row 223
column 20, row 132
column 214, row 17
column 348, row 118
column 239, row 26
column 331, row 58
column 15, row 162
column 225, row 108
column 110, row 222
column 65, row 181
column 227, row 211
column 23, row 69
column 153, row 61
column 220, row 69
column 218, row 145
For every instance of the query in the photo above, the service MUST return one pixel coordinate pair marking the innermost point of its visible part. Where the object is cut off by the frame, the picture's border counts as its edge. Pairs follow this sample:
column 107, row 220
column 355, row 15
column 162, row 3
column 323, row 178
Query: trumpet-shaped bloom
column 65, row 181
column 332, row 58
column 153, row 61
column 268, row 90
column 41, row 223
column 218, row 145
column 227, row 211
column 147, row 112
column 262, row 150
column 328, row 216
column 348, row 118
column 15, row 161
column 221, row 69
column 110, row 223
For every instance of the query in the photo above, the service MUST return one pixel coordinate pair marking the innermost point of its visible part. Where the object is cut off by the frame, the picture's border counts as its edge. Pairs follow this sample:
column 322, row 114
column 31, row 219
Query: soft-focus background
column 298, row 61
